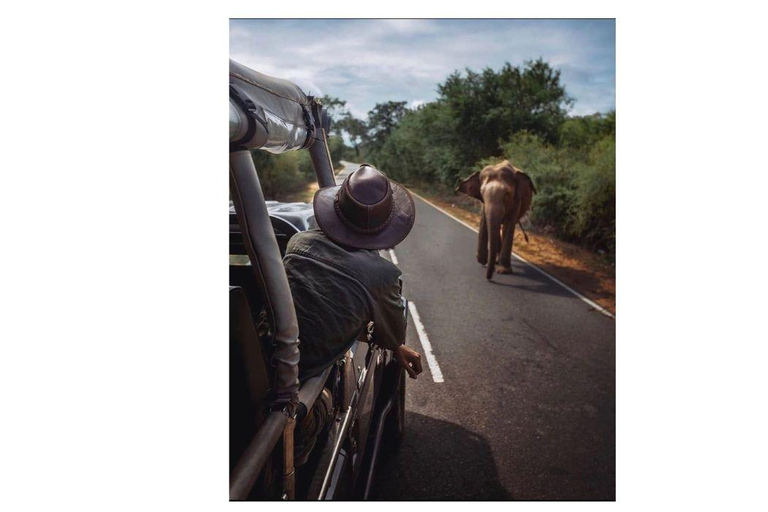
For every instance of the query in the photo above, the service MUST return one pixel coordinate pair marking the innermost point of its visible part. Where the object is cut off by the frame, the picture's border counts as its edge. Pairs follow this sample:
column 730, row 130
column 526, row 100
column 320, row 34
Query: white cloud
column 410, row 26
column 369, row 61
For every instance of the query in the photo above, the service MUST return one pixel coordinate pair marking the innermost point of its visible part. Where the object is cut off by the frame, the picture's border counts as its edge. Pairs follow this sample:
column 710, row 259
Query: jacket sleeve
column 389, row 321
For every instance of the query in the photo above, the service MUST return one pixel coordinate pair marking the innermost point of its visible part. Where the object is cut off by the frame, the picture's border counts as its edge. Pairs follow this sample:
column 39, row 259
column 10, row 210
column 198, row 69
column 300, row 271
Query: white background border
column 114, row 354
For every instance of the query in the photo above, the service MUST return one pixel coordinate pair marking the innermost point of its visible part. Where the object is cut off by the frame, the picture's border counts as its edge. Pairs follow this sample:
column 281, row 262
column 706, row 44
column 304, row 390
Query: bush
column 403, row 155
column 306, row 168
column 555, row 182
column 595, row 218
column 576, row 188
column 584, row 132
column 290, row 172
column 422, row 149
column 282, row 174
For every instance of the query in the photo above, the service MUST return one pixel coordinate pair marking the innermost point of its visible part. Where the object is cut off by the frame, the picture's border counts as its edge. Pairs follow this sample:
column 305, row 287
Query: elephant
column 506, row 193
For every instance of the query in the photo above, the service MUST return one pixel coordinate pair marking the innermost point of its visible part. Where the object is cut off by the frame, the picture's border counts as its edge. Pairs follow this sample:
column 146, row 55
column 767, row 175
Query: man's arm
column 409, row 359
column 389, row 324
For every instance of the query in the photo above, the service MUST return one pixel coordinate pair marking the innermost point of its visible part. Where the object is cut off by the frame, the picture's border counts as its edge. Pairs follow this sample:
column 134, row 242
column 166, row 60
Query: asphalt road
column 526, row 410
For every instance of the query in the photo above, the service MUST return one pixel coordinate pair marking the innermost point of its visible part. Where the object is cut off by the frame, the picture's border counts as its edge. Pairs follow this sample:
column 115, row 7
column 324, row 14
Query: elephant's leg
column 482, row 240
column 505, row 256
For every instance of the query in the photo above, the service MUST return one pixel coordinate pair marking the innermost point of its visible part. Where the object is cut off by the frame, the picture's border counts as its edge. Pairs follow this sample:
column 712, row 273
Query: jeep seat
column 248, row 377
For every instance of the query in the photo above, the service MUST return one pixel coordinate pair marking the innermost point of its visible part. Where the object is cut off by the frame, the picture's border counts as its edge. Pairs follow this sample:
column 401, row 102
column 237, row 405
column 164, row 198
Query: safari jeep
column 367, row 385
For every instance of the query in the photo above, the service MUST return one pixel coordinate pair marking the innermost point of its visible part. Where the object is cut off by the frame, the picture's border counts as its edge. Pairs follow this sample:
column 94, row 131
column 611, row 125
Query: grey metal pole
column 268, row 270
column 321, row 159
column 255, row 456
column 267, row 263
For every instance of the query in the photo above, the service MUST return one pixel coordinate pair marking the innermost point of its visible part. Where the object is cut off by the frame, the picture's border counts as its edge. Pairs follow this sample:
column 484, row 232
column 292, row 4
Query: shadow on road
column 438, row 460
column 582, row 280
column 526, row 278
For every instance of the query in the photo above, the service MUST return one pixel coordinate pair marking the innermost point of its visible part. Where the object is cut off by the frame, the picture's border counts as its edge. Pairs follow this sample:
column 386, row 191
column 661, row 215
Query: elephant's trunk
column 494, row 239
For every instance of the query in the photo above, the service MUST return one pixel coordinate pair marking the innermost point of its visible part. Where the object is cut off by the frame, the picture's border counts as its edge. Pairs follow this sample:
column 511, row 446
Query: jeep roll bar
column 274, row 115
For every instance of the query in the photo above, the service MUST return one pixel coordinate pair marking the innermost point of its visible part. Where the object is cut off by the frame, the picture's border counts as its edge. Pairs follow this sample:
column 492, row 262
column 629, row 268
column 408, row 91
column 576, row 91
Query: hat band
column 354, row 227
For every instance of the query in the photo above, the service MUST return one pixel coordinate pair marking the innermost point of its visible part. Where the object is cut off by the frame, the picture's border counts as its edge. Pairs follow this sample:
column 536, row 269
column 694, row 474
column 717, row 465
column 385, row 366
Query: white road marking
column 591, row 303
column 577, row 294
column 434, row 368
column 392, row 257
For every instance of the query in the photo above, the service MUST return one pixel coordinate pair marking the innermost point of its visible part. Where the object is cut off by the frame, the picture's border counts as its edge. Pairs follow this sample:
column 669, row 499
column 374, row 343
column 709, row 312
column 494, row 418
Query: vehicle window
column 286, row 176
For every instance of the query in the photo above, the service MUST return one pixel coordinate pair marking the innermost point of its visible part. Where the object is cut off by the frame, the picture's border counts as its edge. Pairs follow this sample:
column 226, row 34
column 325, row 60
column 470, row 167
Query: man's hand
column 409, row 359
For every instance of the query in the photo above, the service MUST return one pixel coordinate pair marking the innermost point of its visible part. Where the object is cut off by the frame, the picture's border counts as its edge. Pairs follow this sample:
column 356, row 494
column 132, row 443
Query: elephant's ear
column 524, row 176
column 471, row 186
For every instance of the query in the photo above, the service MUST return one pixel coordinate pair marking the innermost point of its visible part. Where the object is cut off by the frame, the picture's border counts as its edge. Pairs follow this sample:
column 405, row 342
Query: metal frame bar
column 321, row 159
column 265, row 258
column 255, row 456
column 309, row 392
column 254, row 219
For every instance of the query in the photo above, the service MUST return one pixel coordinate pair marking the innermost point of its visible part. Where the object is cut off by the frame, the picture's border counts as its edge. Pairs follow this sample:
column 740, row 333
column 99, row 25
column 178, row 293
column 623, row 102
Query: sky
column 373, row 61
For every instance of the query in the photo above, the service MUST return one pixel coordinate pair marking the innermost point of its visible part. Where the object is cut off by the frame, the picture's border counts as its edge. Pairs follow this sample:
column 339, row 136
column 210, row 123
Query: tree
column 382, row 121
column 541, row 104
column 491, row 106
column 356, row 130
column 475, row 112
column 336, row 108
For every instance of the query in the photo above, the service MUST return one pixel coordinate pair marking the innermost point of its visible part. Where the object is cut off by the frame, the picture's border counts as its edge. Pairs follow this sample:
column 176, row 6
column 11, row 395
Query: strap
column 251, row 110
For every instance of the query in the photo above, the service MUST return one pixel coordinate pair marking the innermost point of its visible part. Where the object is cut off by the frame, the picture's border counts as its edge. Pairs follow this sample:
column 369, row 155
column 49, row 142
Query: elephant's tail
column 519, row 223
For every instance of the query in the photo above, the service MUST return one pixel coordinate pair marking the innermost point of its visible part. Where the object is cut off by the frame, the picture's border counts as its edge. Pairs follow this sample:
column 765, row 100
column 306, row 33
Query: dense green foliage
column 517, row 113
column 282, row 174
column 472, row 115
column 290, row 172
column 382, row 121
column 576, row 186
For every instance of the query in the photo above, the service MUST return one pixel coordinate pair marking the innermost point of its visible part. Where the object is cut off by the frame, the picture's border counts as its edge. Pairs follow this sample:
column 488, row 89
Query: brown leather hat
column 367, row 211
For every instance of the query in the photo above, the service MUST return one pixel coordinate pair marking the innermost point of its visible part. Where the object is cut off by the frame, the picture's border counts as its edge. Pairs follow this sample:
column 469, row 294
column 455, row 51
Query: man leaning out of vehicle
column 340, row 283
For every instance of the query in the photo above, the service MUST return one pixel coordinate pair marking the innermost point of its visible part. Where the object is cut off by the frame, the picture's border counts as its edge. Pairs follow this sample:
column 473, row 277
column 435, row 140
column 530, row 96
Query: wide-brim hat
column 367, row 211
